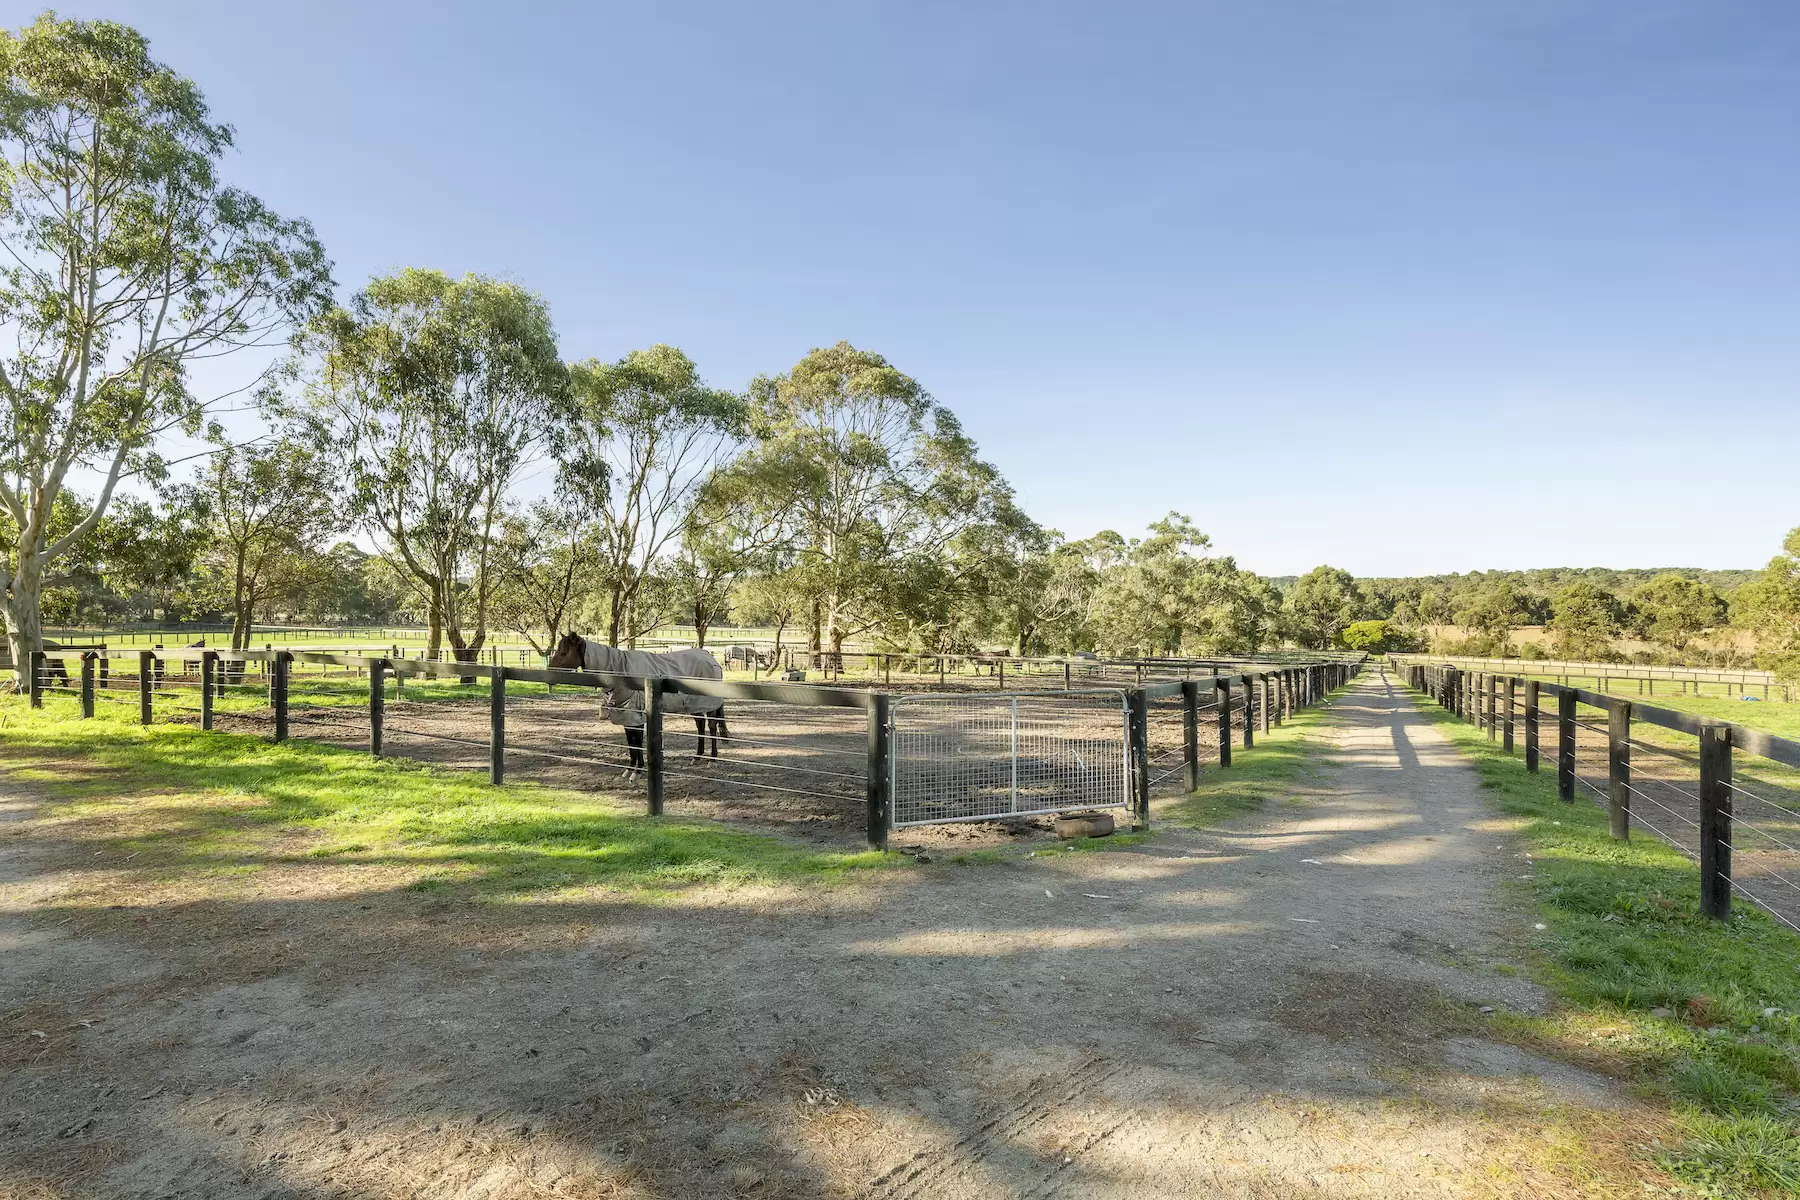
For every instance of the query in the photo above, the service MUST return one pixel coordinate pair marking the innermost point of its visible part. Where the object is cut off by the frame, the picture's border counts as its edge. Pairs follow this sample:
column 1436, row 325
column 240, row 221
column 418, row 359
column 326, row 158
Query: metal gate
column 980, row 757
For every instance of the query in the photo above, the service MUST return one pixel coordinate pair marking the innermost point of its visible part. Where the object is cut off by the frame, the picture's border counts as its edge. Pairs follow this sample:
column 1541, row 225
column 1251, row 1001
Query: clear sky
column 1404, row 287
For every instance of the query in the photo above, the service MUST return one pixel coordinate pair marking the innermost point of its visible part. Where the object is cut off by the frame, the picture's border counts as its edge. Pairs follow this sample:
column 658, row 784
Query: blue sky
column 1402, row 287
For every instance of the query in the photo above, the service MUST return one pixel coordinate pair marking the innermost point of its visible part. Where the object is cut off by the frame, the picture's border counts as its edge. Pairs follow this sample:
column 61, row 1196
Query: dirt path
column 1286, row 1008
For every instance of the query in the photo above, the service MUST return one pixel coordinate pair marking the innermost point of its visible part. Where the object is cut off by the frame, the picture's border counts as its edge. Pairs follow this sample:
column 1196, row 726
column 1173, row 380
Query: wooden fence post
column 497, row 726
column 1531, row 724
column 146, row 681
column 34, row 677
column 1190, row 731
column 653, row 744
column 209, row 683
column 1138, row 729
column 88, row 660
column 377, row 703
column 1492, row 700
column 1715, row 821
column 1506, row 724
column 278, row 691
column 1249, row 713
column 1618, row 769
column 881, row 752
column 1222, row 689
column 1263, row 685
column 1565, row 744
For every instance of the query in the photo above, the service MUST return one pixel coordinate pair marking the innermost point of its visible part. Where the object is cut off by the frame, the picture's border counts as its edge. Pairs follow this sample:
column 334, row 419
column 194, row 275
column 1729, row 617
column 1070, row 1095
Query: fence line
column 1475, row 696
column 1604, row 673
column 167, row 677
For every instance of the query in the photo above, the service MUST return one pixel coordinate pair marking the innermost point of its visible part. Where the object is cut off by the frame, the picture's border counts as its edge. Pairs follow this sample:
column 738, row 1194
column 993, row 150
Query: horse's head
column 570, row 653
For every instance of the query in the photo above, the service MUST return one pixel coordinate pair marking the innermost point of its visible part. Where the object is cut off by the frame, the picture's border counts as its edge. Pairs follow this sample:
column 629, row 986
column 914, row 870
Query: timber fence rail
column 1607, row 676
column 827, row 752
column 1724, row 795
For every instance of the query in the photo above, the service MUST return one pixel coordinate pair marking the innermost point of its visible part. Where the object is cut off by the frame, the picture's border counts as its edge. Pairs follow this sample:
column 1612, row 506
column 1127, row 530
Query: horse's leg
column 699, row 736
column 634, row 741
column 720, row 729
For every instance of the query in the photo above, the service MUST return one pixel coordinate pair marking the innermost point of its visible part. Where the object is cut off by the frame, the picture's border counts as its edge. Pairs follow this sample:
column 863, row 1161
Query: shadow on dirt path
column 1286, row 1006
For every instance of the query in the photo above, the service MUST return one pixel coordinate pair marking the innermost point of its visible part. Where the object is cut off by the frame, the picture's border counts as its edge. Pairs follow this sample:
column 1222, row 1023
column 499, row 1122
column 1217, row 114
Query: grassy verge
column 1697, row 1012
column 1267, row 771
column 174, row 801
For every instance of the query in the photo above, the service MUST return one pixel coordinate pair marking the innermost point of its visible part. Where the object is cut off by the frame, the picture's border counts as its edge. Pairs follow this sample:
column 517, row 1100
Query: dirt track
column 1285, row 1008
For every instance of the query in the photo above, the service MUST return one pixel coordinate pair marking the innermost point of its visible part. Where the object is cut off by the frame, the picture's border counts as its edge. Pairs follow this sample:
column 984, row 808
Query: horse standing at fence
column 625, row 703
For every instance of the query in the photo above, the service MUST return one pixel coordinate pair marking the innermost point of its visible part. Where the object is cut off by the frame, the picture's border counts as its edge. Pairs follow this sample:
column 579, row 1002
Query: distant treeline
column 1667, row 614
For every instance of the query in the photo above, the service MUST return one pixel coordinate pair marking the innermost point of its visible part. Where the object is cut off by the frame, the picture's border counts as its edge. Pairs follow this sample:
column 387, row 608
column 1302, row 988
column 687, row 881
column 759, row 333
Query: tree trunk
column 25, row 617
column 814, row 634
column 775, row 660
column 615, row 614
column 837, row 648
column 434, row 638
column 700, row 624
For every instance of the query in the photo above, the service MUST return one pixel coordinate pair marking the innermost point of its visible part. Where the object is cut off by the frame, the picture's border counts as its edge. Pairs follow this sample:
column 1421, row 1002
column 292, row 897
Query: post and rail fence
column 1740, row 837
column 206, row 686
column 1640, row 678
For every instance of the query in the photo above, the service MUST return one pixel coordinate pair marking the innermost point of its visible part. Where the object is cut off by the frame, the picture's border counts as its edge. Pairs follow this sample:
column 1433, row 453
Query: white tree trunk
column 24, row 617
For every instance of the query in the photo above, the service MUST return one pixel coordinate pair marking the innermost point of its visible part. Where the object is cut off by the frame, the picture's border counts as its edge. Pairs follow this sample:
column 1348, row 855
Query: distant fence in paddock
column 1697, row 800
column 1610, row 676
column 841, row 765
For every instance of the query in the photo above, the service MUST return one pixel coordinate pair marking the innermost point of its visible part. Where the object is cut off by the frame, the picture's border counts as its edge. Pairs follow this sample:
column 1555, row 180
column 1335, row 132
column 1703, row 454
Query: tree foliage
column 1320, row 604
column 1584, row 619
column 437, row 391
column 127, row 258
column 645, row 434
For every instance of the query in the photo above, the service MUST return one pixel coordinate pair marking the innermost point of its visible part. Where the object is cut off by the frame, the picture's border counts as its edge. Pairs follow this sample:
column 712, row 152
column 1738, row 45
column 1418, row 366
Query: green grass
column 181, row 801
column 1782, row 720
column 1721, row 701
column 1624, row 937
column 1267, row 771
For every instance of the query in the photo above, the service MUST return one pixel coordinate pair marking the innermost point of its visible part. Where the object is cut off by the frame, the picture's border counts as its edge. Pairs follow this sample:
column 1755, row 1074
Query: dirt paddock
column 792, row 769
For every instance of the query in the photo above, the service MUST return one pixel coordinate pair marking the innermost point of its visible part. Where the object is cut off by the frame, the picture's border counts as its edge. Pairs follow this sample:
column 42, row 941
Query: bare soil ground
column 1286, row 1007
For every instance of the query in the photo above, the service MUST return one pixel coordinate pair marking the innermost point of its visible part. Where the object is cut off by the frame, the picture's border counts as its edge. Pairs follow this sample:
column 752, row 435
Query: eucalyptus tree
column 126, row 259
column 1162, row 594
column 1673, row 610
column 1585, row 618
column 543, row 562
column 646, row 434
column 1770, row 606
column 1320, row 604
column 438, row 392
column 272, row 508
column 862, row 477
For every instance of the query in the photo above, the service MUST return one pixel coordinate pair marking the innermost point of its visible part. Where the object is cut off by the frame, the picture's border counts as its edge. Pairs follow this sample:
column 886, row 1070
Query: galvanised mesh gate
column 975, row 758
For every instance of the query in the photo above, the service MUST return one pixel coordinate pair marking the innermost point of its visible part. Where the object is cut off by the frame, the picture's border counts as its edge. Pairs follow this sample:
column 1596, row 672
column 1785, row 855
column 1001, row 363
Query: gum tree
column 437, row 392
column 124, row 259
column 1320, row 604
column 859, row 476
column 646, row 435
column 272, row 507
